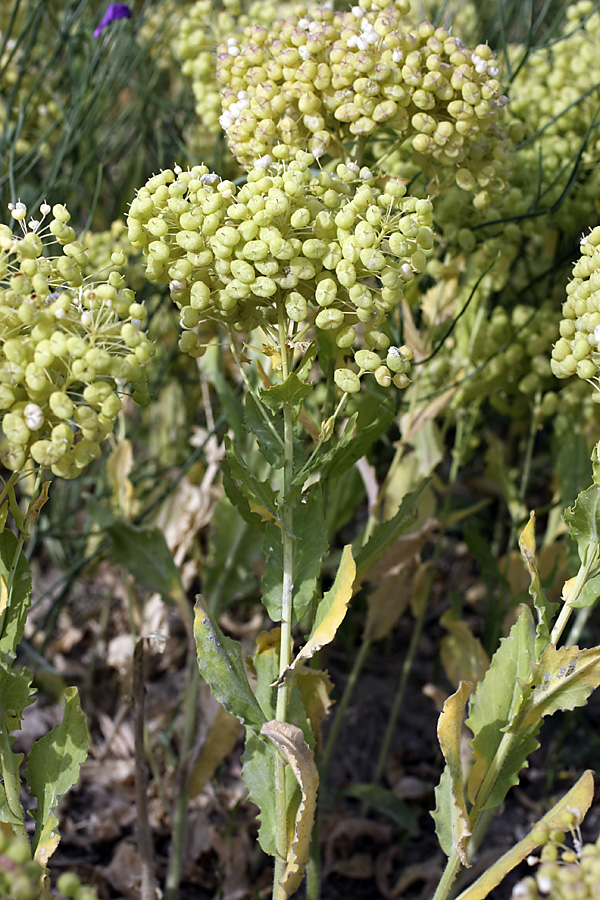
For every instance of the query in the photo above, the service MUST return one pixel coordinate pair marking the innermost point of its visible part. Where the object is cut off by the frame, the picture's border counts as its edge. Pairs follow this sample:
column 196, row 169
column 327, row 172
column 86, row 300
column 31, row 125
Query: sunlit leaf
column 583, row 519
column 450, row 816
column 53, row 768
column 221, row 666
column 12, row 619
column 544, row 609
column 331, row 610
column 290, row 393
column 563, row 678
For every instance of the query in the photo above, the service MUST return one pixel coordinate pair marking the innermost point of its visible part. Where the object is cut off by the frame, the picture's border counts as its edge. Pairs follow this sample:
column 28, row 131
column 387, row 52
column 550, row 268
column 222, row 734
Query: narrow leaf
column 495, row 704
column 222, row 737
column 449, row 731
column 52, row 769
column 544, row 609
column 16, row 694
column 331, row 610
column 563, row 679
column 325, row 460
column 269, row 439
column 290, row 742
column 365, row 437
column 221, row 666
column 385, row 534
column 578, row 800
column 310, row 546
column 254, row 499
column 13, row 616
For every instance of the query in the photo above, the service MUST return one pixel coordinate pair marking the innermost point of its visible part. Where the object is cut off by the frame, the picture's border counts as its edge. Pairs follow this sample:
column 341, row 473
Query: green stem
column 286, row 613
column 251, row 390
column 578, row 585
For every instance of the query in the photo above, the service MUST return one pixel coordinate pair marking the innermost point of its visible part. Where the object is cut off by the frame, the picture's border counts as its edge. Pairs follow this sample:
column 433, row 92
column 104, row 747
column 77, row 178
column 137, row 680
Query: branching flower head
column 316, row 250
column 68, row 346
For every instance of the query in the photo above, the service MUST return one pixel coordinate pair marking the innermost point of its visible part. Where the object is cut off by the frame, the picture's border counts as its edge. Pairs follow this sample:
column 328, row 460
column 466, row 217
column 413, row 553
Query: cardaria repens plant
column 71, row 345
column 310, row 264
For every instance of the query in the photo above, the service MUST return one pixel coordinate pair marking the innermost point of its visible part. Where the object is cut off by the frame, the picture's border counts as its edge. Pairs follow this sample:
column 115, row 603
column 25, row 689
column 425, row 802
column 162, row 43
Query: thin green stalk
column 578, row 585
column 286, row 613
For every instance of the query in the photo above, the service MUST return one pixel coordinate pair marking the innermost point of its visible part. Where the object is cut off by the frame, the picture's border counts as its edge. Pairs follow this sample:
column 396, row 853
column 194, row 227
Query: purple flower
column 115, row 11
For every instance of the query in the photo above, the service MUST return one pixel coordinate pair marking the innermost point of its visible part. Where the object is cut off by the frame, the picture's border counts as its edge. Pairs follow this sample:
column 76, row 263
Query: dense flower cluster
column 556, row 94
column 562, row 873
column 577, row 350
column 329, row 79
column 68, row 346
column 333, row 251
column 201, row 30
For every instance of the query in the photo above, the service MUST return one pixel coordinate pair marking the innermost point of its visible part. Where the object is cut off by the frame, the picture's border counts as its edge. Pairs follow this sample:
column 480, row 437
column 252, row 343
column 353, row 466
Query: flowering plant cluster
column 331, row 251
column 69, row 345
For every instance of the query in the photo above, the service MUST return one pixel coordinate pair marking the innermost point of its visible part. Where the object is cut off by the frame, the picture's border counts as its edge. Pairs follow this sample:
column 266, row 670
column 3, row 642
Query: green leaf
column 253, row 498
column 563, row 679
column 325, row 460
column 387, row 533
column 258, row 772
column 583, row 520
column 267, row 437
column 443, row 814
column 52, row 769
column 16, row 694
column 587, row 595
column 221, row 666
column 384, row 801
column 13, row 616
column 495, row 706
column 144, row 553
column 363, row 440
column 331, row 610
column 290, row 393
column 310, row 545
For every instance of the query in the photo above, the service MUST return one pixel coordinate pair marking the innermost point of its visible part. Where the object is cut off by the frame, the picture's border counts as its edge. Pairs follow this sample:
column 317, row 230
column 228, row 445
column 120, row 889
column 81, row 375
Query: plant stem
column 144, row 835
column 578, row 584
column 287, row 588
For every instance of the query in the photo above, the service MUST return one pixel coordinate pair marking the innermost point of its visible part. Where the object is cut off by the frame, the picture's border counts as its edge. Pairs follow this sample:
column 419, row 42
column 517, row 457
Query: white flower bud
column 34, row 417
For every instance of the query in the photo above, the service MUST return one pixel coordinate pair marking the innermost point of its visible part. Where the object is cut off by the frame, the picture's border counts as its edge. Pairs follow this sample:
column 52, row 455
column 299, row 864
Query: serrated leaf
column 384, row 801
column 583, row 520
column 449, row 732
column 330, row 612
column 290, row 742
column 563, row 678
column 494, row 706
column 269, row 439
column 144, row 553
column 53, row 768
column 443, row 814
column 254, row 499
column 290, row 393
column 578, row 800
column 221, row 666
column 12, row 620
column 545, row 610
column 386, row 533
column 310, row 546
column 258, row 771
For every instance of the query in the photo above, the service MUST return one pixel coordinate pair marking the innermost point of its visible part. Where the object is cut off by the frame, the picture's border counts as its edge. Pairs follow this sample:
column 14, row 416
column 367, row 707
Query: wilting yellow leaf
column 3, row 594
column 36, row 507
column 118, row 468
column 290, row 742
column 315, row 688
column 332, row 609
column 578, row 801
column 461, row 653
column 220, row 741
column 449, row 731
